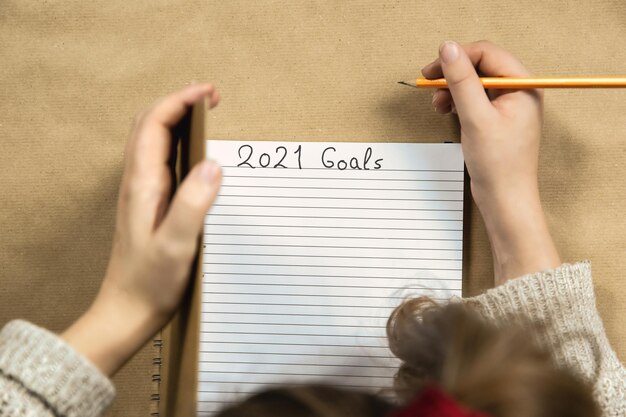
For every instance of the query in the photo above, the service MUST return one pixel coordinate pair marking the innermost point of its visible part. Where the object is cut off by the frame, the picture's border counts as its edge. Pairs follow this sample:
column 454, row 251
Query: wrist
column 518, row 233
column 111, row 331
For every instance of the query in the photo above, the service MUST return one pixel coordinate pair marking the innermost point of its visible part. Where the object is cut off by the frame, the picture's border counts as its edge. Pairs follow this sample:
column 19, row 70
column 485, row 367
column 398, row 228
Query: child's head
column 500, row 371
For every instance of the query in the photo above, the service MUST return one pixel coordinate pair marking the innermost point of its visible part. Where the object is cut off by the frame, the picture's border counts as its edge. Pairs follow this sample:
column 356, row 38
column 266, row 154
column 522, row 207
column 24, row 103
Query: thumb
column 470, row 99
column 185, row 217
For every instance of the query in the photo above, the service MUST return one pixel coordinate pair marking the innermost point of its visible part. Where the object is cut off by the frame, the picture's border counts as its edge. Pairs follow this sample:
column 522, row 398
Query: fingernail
column 205, row 87
column 209, row 171
column 449, row 52
column 436, row 98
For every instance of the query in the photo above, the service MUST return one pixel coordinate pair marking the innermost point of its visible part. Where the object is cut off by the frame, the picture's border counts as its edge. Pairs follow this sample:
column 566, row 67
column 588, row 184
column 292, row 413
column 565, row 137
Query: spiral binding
column 157, row 362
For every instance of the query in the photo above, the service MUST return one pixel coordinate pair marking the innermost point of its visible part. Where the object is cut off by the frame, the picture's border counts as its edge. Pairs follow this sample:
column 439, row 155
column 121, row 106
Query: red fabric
column 432, row 402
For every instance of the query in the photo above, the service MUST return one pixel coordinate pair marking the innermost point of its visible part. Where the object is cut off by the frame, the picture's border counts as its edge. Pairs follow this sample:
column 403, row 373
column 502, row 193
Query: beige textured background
column 73, row 73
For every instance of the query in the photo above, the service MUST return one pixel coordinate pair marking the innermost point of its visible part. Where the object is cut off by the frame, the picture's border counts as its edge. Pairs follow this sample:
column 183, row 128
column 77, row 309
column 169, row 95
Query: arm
column 40, row 375
column 500, row 134
column 155, row 241
column 562, row 299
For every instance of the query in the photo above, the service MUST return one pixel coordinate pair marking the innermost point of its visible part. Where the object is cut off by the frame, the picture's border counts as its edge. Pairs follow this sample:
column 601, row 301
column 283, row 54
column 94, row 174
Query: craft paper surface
column 308, row 249
column 75, row 73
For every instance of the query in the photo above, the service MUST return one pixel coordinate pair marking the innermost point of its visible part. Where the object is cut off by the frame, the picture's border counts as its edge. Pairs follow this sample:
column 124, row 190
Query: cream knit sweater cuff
column 563, row 299
column 54, row 373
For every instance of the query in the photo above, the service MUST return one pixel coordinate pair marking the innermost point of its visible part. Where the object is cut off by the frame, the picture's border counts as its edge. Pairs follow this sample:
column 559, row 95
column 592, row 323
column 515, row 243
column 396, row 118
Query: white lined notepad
column 308, row 249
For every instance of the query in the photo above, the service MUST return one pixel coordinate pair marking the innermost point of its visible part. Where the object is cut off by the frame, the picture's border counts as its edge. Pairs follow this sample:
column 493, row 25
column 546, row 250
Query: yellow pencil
column 530, row 82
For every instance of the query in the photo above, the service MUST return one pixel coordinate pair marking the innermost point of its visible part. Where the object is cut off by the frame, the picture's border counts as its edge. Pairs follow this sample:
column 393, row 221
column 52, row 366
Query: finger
column 146, row 181
column 432, row 70
column 214, row 99
column 168, row 111
column 441, row 99
column 494, row 61
column 489, row 59
column 183, row 222
column 150, row 141
column 470, row 99
column 444, row 108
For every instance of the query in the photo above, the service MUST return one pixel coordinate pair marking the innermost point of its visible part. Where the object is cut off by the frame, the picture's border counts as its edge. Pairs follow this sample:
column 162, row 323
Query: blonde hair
column 497, row 370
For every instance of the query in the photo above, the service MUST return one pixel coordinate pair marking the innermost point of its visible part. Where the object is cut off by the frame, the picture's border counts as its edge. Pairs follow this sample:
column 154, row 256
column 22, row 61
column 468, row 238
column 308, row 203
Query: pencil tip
column 405, row 83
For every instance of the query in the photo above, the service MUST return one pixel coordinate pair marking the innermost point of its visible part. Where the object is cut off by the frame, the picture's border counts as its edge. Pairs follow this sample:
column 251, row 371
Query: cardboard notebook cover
column 178, row 359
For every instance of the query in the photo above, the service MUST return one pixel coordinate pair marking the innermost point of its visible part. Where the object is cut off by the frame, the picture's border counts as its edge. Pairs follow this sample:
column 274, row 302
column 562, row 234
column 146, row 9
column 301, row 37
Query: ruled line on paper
column 302, row 266
column 292, row 344
column 326, row 170
column 329, row 306
column 334, row 276
column 232, row 177
column 348, row 198
column 343, row 257
column 323, row 236
column 261, row 206
column 408, row 229
column 261, row 216
column 325, row 246
column 350, row 287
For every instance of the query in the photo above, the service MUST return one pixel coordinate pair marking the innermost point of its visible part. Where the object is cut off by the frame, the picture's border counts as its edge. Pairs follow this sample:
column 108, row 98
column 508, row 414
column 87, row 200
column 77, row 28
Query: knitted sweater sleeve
column 40, row 375
column 564, row 300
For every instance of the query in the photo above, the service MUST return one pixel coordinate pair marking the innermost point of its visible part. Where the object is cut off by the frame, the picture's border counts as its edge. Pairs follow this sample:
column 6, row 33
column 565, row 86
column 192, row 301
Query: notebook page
column 308, row 249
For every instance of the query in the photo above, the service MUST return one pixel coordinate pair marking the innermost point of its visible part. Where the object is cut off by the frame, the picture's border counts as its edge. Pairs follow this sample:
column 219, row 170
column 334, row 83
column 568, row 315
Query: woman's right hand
column 156, row 238
column 500, row 133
